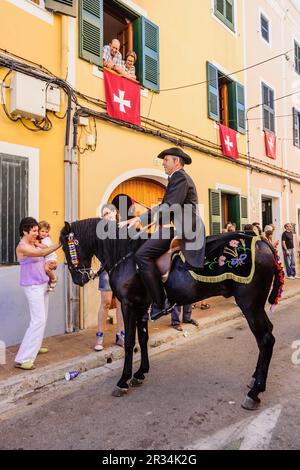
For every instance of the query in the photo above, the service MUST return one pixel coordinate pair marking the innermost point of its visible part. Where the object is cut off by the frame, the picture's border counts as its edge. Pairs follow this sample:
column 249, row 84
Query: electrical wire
column 226, row 75
column 212, row 148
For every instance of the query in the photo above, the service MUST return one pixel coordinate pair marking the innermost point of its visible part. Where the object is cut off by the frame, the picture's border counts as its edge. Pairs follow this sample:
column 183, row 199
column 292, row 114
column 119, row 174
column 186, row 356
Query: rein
column 119, row 262
column 84, row 271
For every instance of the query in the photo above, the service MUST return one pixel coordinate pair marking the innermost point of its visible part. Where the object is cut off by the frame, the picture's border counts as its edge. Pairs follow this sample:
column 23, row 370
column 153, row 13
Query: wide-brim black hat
column 176, row 152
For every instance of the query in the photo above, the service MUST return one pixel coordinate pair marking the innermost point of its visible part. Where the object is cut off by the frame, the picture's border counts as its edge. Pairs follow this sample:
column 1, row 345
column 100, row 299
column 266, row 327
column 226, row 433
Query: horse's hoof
column 136, row 382
column 250, row 404
column 119, row 392
column 251, row 382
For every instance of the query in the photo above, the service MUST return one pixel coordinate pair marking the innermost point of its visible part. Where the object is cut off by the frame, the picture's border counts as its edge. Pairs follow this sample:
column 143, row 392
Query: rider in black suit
column 181, row 191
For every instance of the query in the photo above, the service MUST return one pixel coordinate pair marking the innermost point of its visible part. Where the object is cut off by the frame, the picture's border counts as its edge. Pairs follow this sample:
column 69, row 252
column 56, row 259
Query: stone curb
column 14, row 388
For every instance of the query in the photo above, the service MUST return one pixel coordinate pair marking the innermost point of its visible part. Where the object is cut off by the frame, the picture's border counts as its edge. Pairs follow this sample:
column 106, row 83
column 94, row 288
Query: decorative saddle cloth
column 228, row 256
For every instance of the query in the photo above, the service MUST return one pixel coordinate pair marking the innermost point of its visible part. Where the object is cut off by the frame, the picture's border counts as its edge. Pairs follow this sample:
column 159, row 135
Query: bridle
column 75, row 266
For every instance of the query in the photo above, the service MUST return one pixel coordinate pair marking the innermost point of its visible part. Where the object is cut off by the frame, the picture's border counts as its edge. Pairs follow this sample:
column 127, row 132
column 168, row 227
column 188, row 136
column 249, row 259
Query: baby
column 50, row 260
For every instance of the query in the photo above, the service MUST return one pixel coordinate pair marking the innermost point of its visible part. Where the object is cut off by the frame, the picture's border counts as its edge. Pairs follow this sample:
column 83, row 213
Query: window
column 226, row 100
column 264, row 27
column 297, row 57
column 268, row 108
column 226, row 207
column 100, row 21
column 296, row 127
column 13, row 203
column 224, row 10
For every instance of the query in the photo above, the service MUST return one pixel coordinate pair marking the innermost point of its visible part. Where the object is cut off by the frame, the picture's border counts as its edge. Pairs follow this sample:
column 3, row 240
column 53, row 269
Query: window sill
column 221, row 22
column 99, row 74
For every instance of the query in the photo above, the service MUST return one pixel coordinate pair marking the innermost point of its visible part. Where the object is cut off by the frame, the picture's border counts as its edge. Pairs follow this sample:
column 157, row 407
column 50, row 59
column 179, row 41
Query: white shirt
column 48, row 242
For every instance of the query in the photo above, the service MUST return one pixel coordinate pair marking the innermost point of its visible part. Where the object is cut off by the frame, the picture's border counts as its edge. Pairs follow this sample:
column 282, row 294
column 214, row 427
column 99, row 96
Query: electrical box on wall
column 28, row 97
column 53, row 98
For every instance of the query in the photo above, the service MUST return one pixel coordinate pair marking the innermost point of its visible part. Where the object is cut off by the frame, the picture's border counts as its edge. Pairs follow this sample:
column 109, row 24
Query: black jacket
column 181, row 191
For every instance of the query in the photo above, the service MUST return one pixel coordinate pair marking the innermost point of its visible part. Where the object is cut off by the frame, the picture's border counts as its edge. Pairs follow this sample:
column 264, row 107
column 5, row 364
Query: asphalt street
column 191, row 399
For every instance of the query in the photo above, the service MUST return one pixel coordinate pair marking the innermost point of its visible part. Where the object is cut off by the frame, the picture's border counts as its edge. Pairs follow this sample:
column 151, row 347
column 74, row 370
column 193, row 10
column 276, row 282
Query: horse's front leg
column 130, row 329
column 142, row 327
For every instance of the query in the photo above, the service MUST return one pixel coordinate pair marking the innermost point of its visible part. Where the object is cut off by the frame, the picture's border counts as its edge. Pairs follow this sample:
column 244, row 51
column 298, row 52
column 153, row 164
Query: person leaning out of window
column 128, row 68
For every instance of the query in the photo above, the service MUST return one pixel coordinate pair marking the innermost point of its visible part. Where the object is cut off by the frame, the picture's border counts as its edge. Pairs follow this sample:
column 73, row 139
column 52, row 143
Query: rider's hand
column 130, row 222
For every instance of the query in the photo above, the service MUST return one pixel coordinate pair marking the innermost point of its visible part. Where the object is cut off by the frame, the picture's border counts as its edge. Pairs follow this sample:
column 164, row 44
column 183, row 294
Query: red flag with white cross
column 270, row 142
column 228, row 141
column 122, row 98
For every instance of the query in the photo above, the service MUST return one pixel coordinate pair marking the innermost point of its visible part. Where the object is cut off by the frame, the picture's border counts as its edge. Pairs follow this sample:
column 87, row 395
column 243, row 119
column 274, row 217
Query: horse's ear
column 67, row 227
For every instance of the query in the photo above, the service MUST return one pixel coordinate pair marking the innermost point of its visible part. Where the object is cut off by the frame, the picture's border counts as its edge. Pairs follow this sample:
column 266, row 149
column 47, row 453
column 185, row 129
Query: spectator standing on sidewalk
column 186, row 316
column 257, row 229
column 268, row 234
column 34, row 280
column 108, row 212
column 287, row 241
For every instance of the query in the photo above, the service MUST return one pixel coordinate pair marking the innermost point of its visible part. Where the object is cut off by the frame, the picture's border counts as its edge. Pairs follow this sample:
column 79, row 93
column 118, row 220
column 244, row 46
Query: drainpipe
column 71, row 214
column 70, row 173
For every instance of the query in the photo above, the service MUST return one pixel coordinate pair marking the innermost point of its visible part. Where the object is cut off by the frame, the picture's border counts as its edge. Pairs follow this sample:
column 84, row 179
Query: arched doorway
column 142, row 192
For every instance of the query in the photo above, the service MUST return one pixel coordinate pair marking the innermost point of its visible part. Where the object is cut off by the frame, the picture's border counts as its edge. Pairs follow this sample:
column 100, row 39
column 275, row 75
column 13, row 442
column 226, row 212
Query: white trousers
column 38, row 301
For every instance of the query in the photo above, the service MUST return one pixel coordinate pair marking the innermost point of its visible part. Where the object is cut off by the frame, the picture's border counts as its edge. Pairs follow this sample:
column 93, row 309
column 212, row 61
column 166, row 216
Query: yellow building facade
column 188, row 63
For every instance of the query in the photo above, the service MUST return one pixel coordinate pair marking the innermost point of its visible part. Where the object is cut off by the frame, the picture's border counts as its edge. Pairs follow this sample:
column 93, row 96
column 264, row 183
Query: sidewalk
column 75, row 351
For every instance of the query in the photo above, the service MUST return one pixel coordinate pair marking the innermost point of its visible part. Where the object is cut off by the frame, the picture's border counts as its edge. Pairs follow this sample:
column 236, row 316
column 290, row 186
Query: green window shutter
column 240, row 108
column 213, row 92
column 91, row 30
column 234, row 210
column 146, row 44
column 224, row 10
column 215, row 211
column 268, row 108
column 65, row 7
column 297, row 58
column 13, row 203
column 244, row 211
column 296, row 127
column 236, row 103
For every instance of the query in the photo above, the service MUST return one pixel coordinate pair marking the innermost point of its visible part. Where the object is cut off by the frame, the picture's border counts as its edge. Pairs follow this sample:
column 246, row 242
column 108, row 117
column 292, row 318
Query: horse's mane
column 108, row 250
column 85, row 232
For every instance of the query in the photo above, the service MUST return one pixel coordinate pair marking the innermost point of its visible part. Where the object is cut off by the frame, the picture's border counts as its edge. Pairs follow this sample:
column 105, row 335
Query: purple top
column 32, row 270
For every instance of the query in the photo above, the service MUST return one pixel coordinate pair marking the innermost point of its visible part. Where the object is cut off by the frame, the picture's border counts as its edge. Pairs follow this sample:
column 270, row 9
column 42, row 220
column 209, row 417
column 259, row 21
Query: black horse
column 80, row 243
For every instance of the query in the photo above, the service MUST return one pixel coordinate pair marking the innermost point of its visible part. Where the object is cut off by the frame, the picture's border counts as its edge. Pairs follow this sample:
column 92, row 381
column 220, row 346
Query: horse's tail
column 277, row 282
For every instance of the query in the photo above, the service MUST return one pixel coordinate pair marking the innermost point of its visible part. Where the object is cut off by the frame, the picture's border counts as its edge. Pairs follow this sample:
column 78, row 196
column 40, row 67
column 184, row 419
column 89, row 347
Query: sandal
column 204, row 306
column 25, row 365
column 43, row 350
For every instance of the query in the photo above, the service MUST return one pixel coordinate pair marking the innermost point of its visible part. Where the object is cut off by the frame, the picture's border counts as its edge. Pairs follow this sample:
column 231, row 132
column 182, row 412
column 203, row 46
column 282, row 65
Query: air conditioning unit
column 28, row 97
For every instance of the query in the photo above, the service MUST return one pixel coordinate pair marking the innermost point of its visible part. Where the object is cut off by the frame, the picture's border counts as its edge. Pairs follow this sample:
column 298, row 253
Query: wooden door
column 144, row 193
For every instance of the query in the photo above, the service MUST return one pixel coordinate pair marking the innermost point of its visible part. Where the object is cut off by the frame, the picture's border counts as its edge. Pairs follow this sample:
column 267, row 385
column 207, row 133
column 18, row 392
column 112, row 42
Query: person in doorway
column 180, row 194
column 230, row 227
column 108, row 212
column 34, row 280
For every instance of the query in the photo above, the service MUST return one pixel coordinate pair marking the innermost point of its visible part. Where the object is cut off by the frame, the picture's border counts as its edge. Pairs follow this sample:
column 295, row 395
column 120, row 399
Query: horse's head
column 79, row 262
